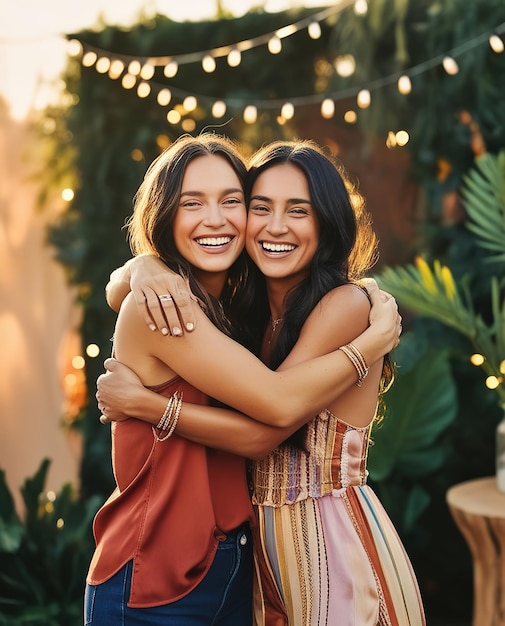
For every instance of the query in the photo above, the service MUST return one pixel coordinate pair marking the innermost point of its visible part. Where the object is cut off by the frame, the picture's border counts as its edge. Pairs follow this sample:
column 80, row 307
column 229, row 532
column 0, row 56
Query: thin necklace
column 274, row 324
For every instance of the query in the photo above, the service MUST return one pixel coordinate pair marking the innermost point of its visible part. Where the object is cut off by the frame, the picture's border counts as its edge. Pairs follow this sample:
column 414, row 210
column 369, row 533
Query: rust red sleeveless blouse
column 173, row 501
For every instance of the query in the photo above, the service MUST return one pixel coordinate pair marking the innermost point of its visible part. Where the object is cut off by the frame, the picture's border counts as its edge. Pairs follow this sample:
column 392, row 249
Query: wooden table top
column 478, row 497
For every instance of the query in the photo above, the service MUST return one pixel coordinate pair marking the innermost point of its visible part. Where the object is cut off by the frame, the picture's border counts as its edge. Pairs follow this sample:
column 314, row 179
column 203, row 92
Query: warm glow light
column 70, row 380
column 89, row 59
column 496, row 44
column 287, row 111
column 361, row 7
column 477, row 359
column 218, row 108
column 208, row 64
column 102, row 65
column 164, row 96
column 137, row 155
column 250, row 114
column 450, row 66
column 147, row 71
column 116, row 69
column 128, row 81
column 78, row 362
column 404, row 85
column 188, row 125
column 92, row 350
column 402, row 137
column 60, row 522
column 173, row 117
column 364, row 98
column 163, row 141
column 350, row 117
column 67, row 194
column 190, row 103
column 286, row 31
column 234, row 58
column 274, row 45
column 492, row 382
column 314, row 30
column 143, row 90
column 74, row 47
column 345, row 65
column 171, row 69
column 391, row 140
column 502, row 367
column 134, row 68
column 327, row 108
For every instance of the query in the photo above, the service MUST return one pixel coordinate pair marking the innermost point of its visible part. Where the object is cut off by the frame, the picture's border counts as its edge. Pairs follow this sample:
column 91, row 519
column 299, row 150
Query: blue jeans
column 222, row 598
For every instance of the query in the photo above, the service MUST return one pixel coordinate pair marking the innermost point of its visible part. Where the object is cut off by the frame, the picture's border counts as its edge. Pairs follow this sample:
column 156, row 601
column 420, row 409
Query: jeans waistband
column 233, row 534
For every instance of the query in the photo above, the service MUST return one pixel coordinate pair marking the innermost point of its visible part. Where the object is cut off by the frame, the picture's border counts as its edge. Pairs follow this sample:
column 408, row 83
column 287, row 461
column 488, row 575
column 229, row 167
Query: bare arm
column 122, row 392
column 150, row 280
column 223, row 369
column 232, row 431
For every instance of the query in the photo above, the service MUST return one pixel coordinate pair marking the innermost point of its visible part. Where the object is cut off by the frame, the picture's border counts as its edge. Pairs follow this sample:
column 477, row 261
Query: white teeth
column 213, row 241
column 277, row 247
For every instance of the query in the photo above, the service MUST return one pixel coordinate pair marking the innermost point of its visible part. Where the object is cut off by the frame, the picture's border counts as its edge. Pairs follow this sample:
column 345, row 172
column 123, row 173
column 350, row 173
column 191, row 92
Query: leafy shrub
column 44, row 556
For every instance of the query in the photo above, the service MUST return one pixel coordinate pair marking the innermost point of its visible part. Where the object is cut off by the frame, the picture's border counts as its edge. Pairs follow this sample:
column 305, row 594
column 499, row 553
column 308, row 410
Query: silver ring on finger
column 166, row 297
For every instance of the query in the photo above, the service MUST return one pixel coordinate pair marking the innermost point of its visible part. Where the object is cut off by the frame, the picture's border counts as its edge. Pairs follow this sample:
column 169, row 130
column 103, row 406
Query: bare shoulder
column 340, row 316
column 344, row 301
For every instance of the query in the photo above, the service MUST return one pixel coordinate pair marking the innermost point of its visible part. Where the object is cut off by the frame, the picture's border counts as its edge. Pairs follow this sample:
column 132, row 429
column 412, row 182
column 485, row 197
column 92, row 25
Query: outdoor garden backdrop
column 410, row 95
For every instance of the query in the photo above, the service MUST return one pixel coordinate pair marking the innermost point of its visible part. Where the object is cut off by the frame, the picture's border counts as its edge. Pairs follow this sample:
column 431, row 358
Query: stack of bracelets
column 168, row 420
column 358, row 360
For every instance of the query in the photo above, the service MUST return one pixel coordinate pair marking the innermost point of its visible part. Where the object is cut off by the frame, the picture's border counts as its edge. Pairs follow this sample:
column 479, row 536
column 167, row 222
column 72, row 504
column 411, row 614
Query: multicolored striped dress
column 327, row 553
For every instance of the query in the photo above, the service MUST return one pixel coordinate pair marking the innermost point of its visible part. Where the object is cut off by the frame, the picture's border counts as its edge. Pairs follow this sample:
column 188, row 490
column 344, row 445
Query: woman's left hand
column 117, row 390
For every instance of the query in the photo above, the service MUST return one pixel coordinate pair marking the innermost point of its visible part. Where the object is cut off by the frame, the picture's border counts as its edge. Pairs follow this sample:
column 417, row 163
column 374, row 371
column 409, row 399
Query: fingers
column 153, row 310
column 110, row 365
column 169, row 308
column 370, row 284
column 182, row 301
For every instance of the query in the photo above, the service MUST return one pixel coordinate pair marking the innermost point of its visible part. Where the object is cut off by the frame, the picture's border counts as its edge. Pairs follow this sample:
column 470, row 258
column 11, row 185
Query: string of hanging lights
column 139, row 72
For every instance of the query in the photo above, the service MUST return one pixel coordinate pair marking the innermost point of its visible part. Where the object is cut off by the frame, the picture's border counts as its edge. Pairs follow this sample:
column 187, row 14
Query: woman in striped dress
column 326, row 552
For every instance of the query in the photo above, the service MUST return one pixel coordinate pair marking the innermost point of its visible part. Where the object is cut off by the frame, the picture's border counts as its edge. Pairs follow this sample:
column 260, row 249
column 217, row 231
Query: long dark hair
column 347, row 247
column 150, row 228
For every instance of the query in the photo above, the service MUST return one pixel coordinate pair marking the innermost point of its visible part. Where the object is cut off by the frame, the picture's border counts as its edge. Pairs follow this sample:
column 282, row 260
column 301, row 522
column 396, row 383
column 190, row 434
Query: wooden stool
column 478, row 509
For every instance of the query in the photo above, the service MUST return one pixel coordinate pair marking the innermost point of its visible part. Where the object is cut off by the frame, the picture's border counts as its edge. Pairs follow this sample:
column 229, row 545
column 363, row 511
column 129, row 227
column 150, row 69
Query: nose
column 277, row 223
column 214, row 216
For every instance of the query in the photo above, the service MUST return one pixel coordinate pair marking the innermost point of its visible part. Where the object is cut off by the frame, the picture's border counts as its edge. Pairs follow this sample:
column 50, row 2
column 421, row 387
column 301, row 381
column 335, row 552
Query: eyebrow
column 290, row 200
column 201, row 193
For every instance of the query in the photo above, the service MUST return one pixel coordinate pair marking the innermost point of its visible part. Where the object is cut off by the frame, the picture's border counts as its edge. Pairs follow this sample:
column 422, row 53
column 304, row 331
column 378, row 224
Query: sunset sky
column 32, row 45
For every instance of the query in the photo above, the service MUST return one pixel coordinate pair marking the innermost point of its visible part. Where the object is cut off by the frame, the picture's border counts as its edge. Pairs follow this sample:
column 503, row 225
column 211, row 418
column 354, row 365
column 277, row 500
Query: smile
column 214, row 242
column 277, row 247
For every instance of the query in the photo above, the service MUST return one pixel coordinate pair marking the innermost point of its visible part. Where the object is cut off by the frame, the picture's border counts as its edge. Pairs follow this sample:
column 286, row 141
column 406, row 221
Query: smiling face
column 209, row 226
column 282, row 227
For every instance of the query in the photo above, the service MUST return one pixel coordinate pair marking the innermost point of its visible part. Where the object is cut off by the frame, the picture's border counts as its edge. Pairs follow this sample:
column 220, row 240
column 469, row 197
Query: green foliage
column 407, row 443
column 435, row 294
column 484, row 198
column 422, row 403
column 44, row 556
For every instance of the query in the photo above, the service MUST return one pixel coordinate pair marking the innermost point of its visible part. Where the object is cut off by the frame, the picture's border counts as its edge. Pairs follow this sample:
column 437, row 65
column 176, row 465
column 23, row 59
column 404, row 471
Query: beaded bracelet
column 358, row 360
column 168, row 420
column 165, row 418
